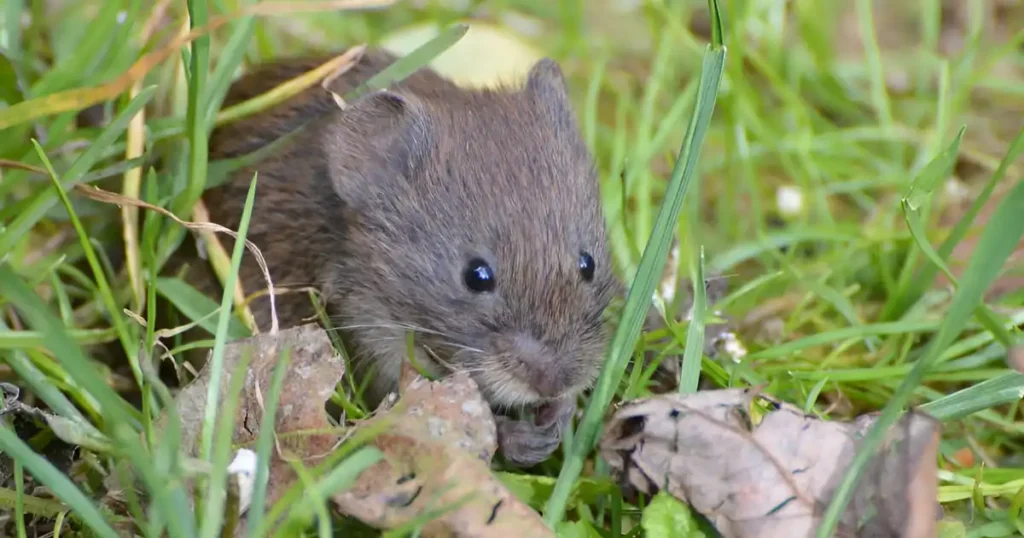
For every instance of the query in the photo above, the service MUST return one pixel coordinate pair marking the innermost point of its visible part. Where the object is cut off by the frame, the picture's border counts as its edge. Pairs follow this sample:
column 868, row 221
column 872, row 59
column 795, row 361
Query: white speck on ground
column 243, row 468
column 789, row 200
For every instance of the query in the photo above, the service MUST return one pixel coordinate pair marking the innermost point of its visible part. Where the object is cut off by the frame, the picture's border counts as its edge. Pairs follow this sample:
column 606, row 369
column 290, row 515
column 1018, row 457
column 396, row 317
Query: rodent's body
column 466, row 216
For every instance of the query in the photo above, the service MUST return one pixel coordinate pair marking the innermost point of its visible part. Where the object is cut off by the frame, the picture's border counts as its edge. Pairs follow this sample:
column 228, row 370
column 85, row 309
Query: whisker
column 387, row 325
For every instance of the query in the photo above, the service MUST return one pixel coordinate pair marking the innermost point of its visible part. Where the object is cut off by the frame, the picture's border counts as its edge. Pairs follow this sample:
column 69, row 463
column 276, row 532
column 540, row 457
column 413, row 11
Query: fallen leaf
column 437, row 448
column 770, row 472
column 313, row 371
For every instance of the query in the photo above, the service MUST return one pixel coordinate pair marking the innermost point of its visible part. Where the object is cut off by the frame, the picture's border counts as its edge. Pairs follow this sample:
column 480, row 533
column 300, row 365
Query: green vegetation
column 894, row 128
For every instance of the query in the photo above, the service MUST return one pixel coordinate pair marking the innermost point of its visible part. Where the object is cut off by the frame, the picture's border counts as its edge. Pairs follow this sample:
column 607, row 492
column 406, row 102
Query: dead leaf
column 774, row 477
column 313, row 371
column 437, row 448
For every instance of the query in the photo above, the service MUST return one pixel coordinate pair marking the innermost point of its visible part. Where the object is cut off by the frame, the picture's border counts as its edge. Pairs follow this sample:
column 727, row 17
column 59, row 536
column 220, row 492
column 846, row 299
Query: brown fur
column 381, row 206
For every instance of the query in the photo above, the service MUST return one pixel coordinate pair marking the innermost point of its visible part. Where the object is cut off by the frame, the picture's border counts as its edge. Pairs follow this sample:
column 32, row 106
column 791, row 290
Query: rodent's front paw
column 524, row 443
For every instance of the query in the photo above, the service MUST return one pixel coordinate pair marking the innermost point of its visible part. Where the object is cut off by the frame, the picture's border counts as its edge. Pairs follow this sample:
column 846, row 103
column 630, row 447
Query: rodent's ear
column 388, row 108
column 385, row 133
column 546, row 84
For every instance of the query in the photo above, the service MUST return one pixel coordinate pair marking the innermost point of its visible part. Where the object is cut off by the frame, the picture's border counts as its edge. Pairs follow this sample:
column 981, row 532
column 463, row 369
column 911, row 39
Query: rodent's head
column 474, row 219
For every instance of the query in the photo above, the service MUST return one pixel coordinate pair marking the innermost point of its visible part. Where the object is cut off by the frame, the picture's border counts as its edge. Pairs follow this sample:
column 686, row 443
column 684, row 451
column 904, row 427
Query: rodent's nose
column 544, row 371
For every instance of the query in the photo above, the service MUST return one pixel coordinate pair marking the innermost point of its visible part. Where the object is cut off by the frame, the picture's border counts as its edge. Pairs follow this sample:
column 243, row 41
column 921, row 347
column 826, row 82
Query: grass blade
column 196, row 124
column 337, row 480
column 62, row 346
column 879, row 93
column 997, row 242
column 1007, row 388
column 216, row 364
column 34, row 339
column 126, row 335
column 287, row 89
column 649, row 270
column 215, row 508
column 693, row 354
column 934, row 173
column 926, row 276
column 227, row 62
column 408, row 64
column 198, row 308
column 265, row 443
column 42, row 201
column 985, row 315
column 923, row 186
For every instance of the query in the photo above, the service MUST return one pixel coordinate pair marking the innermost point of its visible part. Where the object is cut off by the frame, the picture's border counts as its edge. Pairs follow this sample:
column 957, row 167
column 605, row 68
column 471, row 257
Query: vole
column 471, row 217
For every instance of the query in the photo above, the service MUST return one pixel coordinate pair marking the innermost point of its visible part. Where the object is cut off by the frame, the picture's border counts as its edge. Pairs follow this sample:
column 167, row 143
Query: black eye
column 479, row 277
column 587, row 266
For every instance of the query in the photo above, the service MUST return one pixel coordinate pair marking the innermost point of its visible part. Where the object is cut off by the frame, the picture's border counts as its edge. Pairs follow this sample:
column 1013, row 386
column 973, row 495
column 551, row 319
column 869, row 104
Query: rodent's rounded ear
column 384, row 105
column 385, row 133
column 546, row 85
column 392, row 120
column 546, row 80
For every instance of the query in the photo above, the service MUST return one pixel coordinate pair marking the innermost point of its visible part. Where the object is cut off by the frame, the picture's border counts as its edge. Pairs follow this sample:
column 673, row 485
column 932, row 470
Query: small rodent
column 471, row 217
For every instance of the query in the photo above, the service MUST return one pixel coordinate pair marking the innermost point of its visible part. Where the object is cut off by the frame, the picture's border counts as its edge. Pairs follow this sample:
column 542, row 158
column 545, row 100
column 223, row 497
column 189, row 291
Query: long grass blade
column 651, row 264
column 196, row 124
column 216, row 364
column 997, row 242
column 408, row 64
column 693, row 353
column 265, row 443
column 1005, row 389
column 128, row 342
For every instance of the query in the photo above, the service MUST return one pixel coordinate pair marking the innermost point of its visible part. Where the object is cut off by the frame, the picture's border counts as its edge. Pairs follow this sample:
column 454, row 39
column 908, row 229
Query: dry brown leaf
column 313, row 370
column 436, row 460
column 774, row 477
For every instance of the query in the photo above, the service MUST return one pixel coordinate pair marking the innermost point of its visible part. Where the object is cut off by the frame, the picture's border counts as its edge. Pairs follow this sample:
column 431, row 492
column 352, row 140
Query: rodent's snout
column 546, row 373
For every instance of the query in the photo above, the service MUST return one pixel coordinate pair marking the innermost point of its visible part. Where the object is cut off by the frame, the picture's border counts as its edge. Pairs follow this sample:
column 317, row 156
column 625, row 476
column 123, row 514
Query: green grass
column 841, row 309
